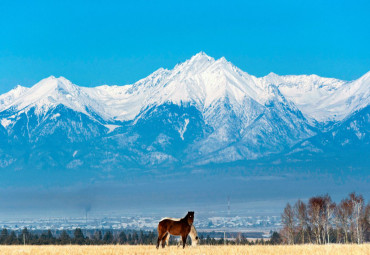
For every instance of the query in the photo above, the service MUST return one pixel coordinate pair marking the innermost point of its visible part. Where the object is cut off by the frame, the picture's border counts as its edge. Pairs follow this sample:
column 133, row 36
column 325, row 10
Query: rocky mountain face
column 203, row 111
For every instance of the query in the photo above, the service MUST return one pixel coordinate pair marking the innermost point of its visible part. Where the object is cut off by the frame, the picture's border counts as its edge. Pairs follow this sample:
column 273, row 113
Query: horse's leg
column 164, row 240
column 184, row 237
column 160, row 236
column 158, row 242
column 168, row 239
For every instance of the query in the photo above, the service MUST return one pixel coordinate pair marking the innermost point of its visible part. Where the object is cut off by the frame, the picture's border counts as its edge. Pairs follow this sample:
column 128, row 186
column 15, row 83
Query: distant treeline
column 322, row 221
column 98, row 237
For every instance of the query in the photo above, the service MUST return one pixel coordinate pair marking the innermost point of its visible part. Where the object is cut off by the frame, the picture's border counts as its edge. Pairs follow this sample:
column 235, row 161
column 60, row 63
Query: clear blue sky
column 118, row 42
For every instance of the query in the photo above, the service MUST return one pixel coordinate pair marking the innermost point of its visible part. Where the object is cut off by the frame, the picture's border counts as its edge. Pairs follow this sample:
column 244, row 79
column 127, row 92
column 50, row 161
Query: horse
column 193, row 235
column 176, row 227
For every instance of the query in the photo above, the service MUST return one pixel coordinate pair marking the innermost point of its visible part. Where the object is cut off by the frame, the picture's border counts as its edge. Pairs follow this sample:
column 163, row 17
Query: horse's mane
column 174, row 219
column 168, row 218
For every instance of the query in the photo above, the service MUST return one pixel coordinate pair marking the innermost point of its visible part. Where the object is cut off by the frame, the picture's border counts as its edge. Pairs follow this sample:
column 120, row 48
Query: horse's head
column 195, row 241
column 194, row 236
column 190, row 217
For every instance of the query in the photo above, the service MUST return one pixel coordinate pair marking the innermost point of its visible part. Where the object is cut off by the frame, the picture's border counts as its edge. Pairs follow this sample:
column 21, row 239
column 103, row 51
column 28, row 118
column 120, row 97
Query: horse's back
column 174, row 227
column 167, row 222
column 164, row 225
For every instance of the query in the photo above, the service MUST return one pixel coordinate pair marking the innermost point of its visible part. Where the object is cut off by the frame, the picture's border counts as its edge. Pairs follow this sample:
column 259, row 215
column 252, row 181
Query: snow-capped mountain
column 49, row 93
column 7, row 98
column 323, row 99
column 202, row 111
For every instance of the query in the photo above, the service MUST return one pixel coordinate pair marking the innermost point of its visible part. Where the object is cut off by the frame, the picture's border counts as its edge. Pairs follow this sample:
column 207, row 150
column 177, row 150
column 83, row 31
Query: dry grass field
column 221, row 250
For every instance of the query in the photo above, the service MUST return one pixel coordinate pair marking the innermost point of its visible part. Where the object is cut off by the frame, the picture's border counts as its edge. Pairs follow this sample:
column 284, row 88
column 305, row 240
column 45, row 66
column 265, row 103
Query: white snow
column 55, row 116
column 5, row 122
column 200, row 81
column 7, row 98
column 183, row 129
column 111, row 128
column 50, row 92
column 74, row 153
column 323, row 99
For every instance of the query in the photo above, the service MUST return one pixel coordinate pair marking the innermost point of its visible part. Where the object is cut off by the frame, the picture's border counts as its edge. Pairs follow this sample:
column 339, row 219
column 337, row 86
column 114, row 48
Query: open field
column 336, row 249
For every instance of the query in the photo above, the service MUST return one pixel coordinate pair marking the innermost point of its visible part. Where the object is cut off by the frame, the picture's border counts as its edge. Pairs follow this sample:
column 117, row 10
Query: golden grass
column 334, row 249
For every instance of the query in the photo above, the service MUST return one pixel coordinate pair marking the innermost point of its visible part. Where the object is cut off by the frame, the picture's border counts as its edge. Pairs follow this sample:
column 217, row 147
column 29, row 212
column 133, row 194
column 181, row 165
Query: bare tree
column 315, row 213
column 327, row 216
column 321, row 217
column 338, row 223
column 345, row 211
column 366, row 223
column 358, row 211
column 300, row 210
column 287, row 219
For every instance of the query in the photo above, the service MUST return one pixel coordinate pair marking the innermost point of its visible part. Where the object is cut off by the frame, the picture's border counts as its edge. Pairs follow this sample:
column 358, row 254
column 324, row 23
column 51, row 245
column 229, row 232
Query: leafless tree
column 345, row 210
column 358, row 211
column 300, row 210
column 338, row 223
column 287, row 219
column 317, row 220
column 366, row 223
column 315, row 213
column 327, row 216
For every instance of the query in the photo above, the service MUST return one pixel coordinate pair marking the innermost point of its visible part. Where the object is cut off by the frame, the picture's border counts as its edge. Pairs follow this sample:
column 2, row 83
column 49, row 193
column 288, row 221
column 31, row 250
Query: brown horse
column 193, row 236
column 175, row 227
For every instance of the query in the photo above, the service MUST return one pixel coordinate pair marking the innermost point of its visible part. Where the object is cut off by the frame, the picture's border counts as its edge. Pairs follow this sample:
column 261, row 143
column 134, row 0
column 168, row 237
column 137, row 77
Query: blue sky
column 118, row 42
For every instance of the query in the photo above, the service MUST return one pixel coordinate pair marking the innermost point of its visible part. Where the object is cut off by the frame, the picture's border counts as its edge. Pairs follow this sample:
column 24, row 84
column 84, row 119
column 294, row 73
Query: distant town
column 263, row 224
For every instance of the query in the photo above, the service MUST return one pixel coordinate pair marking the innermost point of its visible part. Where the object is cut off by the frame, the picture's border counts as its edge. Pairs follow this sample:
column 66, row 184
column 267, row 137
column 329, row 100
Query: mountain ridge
column 177, row 90
column 202, row 111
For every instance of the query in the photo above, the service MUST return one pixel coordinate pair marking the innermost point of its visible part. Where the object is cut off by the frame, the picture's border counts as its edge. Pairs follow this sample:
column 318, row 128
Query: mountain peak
column 272, row 74
column 18, row 87
column 201, row 53
column 18, row 90
column 50, row 92
column 222, row 59
column 9, row 97
column 195, row 64
column 272, row 78
column 51, row 84
column 201, row 56
column 52, row 78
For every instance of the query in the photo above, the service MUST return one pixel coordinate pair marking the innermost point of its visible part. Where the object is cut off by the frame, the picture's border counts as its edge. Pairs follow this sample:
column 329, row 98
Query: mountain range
column 202, row 112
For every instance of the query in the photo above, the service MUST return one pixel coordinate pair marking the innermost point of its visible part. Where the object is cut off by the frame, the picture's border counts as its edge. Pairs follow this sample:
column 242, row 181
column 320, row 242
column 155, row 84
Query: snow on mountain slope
column 200, row 81
column 202, row 111
column 51, row 92
column 9, row 97
column 323, row 99
column 350, row 97
column 346, row 138
column 203, row 80
column 124, row 103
